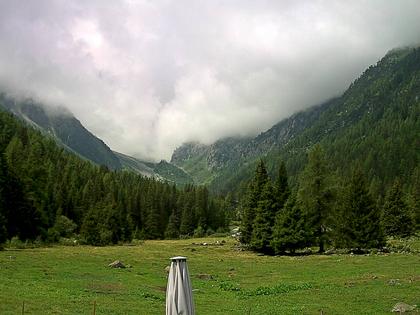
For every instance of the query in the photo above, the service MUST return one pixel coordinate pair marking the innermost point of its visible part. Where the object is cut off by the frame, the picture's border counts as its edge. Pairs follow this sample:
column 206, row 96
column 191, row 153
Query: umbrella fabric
column 179, row 299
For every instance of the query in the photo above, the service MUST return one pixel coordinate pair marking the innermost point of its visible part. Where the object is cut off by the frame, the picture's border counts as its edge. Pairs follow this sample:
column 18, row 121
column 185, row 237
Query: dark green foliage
column 414, row 197
column 264, row 217
column 66, row 128
column 255, row 188
column 41, row 183
column 289, row 232
column 374, row 124
column 359, row 220
column 315, row 196
column 187, row 221
column 172, row 230
column 63, row 227
column 397, row 220
column 172, row 173
column 282, row 186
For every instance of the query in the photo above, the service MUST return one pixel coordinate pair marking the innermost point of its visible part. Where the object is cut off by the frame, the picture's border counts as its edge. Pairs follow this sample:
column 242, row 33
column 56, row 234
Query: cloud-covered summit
column 146, row 76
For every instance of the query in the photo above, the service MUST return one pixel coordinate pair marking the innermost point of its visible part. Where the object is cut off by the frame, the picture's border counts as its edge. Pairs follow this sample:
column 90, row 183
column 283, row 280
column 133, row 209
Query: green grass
column 66, row 280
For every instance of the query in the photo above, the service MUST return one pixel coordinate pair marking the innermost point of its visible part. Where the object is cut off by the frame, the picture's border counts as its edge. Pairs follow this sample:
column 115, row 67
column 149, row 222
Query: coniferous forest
column 47, row 193
column 323, row 210
column 352, row 182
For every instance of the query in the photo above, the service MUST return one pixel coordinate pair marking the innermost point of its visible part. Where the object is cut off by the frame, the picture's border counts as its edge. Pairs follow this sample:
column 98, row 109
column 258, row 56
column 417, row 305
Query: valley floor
column 67, row 280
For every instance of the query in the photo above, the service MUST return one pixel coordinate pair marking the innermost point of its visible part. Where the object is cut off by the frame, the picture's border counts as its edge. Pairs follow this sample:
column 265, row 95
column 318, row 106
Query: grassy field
column 67, row 280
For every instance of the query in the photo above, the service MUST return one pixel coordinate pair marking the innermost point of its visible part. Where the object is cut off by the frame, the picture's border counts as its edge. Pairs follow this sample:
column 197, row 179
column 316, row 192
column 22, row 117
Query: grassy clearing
column 66, row 280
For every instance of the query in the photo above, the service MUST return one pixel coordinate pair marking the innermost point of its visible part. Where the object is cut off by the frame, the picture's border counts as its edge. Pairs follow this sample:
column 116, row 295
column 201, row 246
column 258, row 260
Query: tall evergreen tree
column 289, row 231
column 3, row 196
column 282, row 186
column 396, row 217
column 172, row 229
column 187, row 216
column 264, row 220
column 415, row 196
column 255, row 189
column 315, row 196
column 359, row 220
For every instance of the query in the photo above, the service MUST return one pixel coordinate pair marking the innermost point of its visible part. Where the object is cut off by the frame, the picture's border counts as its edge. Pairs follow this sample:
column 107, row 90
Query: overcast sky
column 146, row 76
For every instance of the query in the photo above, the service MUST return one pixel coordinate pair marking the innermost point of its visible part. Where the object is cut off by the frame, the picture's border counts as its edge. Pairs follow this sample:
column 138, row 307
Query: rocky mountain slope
column 66, row 129
column 375, row 123
column 70, row 133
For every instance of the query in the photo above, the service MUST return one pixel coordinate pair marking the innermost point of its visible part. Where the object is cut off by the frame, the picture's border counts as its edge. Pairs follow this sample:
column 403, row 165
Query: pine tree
column 315, row 196
column 3, row 196
column 264, row 220
column 187, row 216
column 415, row 197
column 396, row 217
column 289, row 231
column 282, row 186
column 251, row 201
column 172, row 230
column 359, row 220
column 90, row 229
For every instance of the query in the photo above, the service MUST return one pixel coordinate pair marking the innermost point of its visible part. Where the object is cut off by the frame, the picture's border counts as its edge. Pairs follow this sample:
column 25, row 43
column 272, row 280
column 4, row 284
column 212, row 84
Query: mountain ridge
column 385, row 94
column 69, row 132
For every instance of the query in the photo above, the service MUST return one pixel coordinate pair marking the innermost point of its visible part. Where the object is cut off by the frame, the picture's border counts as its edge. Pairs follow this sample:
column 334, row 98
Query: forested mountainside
column 375, row 124
column 69, row 132
column 46, row 192
column 162, row 170
column 65, row 128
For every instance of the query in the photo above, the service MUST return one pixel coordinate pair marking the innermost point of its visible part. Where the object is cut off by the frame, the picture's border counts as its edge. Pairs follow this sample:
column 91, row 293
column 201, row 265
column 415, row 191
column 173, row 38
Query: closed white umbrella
column 179, row 299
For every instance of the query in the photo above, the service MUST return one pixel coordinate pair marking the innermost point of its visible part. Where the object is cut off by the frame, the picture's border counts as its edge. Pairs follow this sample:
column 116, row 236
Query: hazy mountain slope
column 162, row 170
column 134, row 165
column 375, row 123
column 66, row 128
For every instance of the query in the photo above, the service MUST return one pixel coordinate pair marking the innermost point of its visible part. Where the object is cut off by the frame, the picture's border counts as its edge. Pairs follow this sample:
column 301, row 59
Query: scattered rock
column 167, row 269
column 394, row 282
column 330, row 251
column 204, row 276
column 403, row 307
column 307, row 251
column 116, row 264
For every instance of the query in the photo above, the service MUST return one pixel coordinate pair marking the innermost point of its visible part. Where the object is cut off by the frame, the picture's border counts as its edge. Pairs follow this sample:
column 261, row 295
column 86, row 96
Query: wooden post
column 23, row 307
column 94, row 307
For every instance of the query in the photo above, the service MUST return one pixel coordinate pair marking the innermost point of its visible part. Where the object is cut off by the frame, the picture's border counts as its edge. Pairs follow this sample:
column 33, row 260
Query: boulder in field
column 116, row 264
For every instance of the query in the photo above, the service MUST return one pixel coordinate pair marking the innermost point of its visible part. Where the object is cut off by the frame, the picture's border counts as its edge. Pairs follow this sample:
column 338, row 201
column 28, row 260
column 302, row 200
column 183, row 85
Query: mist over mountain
column 148, row 76
column 67, row 130
column 374, row 124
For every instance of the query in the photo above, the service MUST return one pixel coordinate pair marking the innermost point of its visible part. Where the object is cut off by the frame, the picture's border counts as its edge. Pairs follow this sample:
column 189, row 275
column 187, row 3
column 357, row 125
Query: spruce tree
column 252, row 197
column 282, row 186
column 289, row 231
column 264, row 220
column 187, row 225
column 396, row 217
column 3, row 196
column 315, row 196
column 359, row 220
column 172, row 230
column 414, row 197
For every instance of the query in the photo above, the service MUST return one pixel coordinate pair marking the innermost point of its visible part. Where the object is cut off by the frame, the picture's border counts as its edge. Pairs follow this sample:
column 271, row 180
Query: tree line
column 324, row 210
column 47, row 193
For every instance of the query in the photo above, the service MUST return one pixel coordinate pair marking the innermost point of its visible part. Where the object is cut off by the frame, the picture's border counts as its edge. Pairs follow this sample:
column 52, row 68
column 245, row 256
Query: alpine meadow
column 207, row 157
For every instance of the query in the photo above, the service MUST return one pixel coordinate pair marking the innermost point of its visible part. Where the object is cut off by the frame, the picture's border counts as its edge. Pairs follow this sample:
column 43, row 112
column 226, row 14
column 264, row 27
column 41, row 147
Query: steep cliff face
column 375, row 123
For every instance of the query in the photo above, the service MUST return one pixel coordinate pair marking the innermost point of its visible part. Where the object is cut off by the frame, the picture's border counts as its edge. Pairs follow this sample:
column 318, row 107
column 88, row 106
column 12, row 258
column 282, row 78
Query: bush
column 199, row 232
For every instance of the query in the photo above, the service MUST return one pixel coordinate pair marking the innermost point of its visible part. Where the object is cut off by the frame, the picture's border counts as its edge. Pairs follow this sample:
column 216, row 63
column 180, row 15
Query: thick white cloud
column 146, row 76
